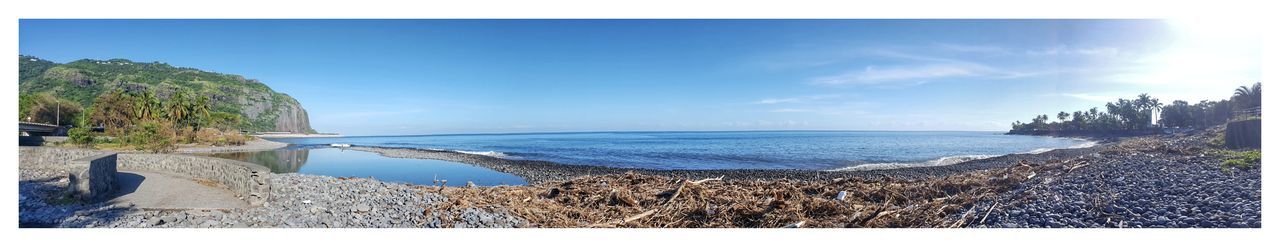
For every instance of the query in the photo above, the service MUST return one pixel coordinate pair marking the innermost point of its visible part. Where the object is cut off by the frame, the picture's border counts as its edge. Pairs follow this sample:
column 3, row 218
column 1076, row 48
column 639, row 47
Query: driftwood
column 984, row 217
column 708, row 179
column 628, row 219
column 683, row 183
column 632, row 202
column 963, row 217
column 1077, row 166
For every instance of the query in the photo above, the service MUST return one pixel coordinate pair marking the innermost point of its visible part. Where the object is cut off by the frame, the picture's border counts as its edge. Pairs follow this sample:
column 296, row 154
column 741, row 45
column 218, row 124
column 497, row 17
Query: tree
column 1078, row 120
column 1177, row 114
column 201, row 111
column 1248, row 97
column 46, row 108
column 113, row 111
column 25, row 102
column 176, row 107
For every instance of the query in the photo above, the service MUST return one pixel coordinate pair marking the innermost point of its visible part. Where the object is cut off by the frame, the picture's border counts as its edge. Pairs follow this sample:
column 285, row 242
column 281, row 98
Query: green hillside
column 261, row 108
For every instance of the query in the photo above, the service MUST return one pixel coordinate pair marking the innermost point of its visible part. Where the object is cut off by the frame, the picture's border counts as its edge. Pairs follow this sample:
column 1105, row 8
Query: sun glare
column 1202, row 55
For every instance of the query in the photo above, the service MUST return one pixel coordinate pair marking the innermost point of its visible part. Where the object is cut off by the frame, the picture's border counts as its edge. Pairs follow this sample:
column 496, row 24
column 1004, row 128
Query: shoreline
column 537, row 171
column 295, row 135
column 1122, row 184
column 254, row 145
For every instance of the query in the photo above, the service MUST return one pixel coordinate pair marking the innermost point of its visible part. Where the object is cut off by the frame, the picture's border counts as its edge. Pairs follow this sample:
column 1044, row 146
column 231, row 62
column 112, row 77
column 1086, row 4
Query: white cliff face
column 292, row 118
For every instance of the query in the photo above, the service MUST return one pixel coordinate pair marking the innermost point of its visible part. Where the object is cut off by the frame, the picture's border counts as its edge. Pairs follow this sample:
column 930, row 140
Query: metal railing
column 1254, row 112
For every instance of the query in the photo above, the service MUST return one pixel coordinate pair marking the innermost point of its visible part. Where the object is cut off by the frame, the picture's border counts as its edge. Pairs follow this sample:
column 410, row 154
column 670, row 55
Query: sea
column 809, row 150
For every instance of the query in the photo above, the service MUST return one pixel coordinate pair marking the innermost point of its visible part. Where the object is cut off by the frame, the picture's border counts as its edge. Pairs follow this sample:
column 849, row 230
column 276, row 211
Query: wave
column 1083, row 144
column 494, row 154
column 944, row 161
column 950, row 160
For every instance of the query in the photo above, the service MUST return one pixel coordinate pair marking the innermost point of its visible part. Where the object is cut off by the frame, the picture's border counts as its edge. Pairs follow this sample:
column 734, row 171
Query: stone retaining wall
column 247, row 180
column 92, row 178
column 51, row 158
column 1244, row 134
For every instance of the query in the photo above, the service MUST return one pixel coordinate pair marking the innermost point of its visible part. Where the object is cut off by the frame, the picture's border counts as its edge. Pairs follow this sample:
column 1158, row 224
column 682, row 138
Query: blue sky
column 382, row 77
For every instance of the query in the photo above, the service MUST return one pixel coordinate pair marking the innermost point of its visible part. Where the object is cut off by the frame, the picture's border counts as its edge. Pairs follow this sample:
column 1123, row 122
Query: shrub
column 235, row 138
column 186, row 135
column 1219, row 140
column 153, row 136
column 1241, row 159
column 80, row 136
column 208, row 136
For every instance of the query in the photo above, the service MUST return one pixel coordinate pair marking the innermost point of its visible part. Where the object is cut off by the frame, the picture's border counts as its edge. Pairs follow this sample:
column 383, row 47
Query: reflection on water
column 285, row 160
column 345, row 163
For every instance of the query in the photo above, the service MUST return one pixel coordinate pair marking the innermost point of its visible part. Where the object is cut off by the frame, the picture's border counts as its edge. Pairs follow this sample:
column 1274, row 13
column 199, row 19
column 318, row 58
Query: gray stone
column 92, row 178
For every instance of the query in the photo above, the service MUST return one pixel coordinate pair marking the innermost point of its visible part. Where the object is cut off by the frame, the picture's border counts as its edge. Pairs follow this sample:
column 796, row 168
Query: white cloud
column 792, row 110
column 990, row 49
column 1090, row 97
column 803, row 99
column 919, row 69
column 875, row 75
column 1065, row 51
column 771, row 101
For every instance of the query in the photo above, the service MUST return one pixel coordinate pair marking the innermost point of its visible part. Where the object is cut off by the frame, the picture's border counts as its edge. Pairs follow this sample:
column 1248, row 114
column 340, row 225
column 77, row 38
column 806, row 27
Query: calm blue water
column 819, row 150
column 345, row 163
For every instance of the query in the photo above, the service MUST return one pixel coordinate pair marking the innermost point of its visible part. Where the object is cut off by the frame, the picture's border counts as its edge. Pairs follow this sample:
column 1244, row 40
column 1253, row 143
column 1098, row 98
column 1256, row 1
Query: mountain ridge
column 261, row 108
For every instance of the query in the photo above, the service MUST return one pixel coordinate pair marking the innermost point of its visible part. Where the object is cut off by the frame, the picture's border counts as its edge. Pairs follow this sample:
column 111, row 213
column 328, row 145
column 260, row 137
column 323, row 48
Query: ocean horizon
column 684, row 150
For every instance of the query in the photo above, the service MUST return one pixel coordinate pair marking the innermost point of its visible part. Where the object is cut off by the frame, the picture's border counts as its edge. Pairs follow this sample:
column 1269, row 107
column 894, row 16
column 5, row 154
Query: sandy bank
column 296, row 135
column 249, row 146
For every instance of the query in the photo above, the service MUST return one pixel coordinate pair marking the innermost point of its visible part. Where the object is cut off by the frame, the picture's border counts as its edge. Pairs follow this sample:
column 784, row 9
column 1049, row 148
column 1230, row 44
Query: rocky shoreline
column 535, row 171
column 297, row 200
column 1150, row 181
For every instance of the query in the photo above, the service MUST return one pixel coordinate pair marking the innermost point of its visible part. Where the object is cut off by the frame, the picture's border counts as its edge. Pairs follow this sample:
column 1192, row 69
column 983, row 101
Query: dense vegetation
column 82, row 82
column 46, row 108
column 1135, row 115
column 143, row 122
column 145, row 106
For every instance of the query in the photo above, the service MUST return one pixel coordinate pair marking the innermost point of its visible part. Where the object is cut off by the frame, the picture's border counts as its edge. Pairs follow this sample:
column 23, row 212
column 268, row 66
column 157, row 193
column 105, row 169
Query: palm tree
column 142, row 105
column 201, row 109
column 177, row 108
column 1248, row 97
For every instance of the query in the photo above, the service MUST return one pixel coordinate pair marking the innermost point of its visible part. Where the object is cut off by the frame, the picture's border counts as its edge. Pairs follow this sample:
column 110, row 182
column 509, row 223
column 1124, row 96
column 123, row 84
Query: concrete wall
column 93, row 178
column 50, row 157
column 1244, row 134
column 248, row 181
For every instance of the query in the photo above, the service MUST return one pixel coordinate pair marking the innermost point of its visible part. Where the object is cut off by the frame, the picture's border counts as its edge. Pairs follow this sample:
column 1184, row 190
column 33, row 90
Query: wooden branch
column 984, row 217
column 962, row 218
column 628, row 219
column 683, row 183
column 1082, row 164
column 677, row 193
column 708, row 179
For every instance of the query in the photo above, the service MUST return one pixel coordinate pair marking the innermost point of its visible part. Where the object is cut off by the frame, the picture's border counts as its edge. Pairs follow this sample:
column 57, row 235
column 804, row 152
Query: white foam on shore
column 951, row 160
column 494, row 154
column 944, row 161
column 1084, row 144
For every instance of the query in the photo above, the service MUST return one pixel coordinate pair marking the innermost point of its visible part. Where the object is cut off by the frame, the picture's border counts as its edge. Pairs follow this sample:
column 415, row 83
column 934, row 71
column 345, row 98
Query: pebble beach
column 1151, row 181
